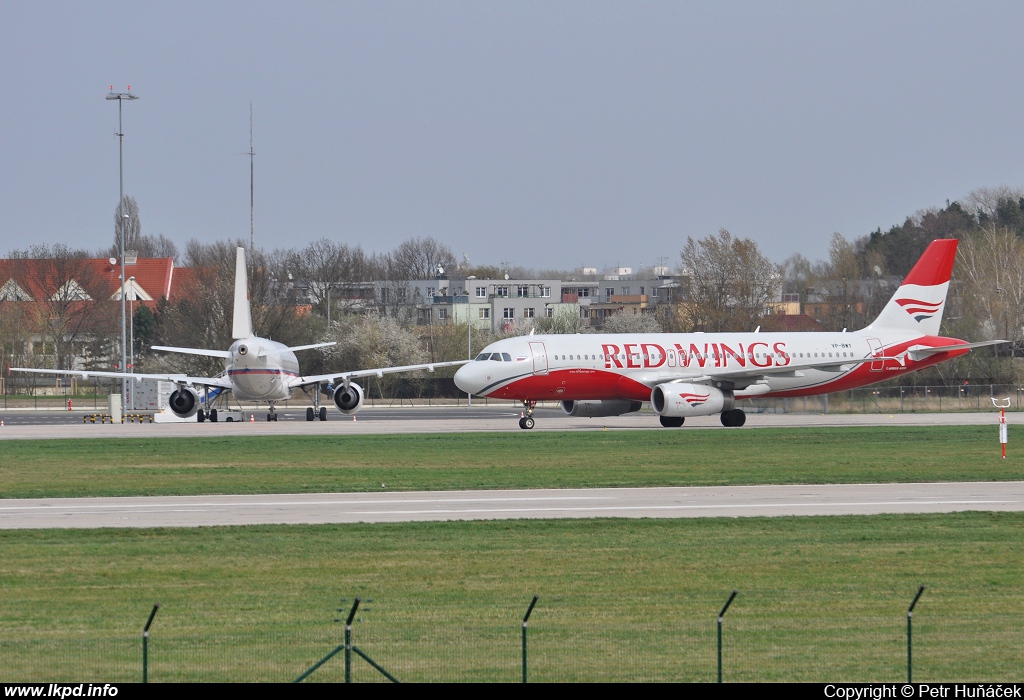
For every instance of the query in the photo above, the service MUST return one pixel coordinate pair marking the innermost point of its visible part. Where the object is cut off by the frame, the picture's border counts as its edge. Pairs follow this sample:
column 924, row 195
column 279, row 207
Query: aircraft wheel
column 521, row 423
column 323, row 413
column 672, row 422
column 213, row 416
column 528, row 423
column 734, row 418
column 309, row 413
column 270, row 417
column 200, row 416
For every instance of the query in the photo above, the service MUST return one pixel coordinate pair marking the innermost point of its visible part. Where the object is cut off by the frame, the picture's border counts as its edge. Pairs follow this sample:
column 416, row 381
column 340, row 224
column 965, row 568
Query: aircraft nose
column 466, row 378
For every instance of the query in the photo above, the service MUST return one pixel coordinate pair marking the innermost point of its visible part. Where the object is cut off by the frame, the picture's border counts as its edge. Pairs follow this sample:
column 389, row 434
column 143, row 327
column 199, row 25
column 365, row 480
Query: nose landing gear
column 526, row 421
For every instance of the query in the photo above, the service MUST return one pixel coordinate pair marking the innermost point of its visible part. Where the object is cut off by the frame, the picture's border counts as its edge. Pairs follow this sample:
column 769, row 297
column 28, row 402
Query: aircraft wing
column 355, row 374
column 181, row 379
column 744, row 376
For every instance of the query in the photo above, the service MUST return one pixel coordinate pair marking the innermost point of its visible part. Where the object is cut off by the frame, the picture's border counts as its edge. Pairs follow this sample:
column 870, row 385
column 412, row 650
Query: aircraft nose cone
column 465, row 378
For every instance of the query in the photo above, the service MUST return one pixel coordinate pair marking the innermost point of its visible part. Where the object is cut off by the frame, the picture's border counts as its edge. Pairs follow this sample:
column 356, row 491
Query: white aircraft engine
column 348, row 400
column 184, row 402
column 599, row 409
column 685, row 400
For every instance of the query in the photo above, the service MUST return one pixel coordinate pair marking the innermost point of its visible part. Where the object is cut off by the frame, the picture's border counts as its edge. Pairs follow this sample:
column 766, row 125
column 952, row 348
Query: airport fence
column 791, row 636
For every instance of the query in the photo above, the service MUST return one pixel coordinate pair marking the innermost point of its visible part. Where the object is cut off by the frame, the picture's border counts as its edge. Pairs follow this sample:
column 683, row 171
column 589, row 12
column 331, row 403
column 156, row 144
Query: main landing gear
column 730, row 419
column 316, row 411
column 526, row 421
column 734, row 418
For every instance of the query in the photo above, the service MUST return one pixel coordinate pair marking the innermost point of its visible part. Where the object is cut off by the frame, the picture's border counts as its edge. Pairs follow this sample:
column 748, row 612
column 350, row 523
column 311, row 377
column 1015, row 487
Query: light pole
column 131, row 315
column 121, row 97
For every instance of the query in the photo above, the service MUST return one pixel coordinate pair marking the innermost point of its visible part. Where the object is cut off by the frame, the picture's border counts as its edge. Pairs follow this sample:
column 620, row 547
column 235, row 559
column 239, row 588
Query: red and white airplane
column 701, row 374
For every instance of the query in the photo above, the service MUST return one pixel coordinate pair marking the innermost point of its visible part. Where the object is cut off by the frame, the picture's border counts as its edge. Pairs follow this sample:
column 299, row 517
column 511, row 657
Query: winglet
column 242, row 324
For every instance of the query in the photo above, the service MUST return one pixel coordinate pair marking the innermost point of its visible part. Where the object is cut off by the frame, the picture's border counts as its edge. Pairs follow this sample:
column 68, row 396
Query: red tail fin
column 936, row 264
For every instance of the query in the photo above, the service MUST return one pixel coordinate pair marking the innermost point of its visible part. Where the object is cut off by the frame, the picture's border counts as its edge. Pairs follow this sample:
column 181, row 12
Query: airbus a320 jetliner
column 256, row 369
column 701, row 374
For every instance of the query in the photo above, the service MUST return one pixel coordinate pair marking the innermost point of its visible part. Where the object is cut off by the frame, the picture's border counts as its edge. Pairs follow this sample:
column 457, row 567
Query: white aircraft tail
column 918, row 304
column 242, row 323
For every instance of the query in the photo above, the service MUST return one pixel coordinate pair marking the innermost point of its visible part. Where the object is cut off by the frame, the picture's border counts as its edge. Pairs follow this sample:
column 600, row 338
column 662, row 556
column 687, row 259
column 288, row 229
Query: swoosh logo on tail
column 920, row 310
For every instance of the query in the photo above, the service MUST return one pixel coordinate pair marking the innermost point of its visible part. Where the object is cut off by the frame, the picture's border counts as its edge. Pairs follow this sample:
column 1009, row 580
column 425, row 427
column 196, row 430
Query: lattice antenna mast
column 252, row 189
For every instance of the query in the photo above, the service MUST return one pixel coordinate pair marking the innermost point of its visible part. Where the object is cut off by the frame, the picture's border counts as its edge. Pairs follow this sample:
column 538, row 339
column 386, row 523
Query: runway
column 421, row 506
column 28, row 425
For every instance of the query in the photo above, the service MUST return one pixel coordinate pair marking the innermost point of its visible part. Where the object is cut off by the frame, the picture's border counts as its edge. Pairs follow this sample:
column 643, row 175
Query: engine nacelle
column 184, row 402
column 348, row 400
column 685, row 400
column 599, row 409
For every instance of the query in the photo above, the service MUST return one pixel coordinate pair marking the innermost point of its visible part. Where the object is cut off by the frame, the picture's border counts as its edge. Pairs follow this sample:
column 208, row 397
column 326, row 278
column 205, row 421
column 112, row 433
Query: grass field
column 304, row 464
column 821, row 599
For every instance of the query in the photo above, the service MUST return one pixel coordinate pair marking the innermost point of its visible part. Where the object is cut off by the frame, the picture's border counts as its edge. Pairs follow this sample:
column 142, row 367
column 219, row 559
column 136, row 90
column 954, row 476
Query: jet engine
column 599, row 409
column 184, row 402
column 350, row 399
column 685, row 400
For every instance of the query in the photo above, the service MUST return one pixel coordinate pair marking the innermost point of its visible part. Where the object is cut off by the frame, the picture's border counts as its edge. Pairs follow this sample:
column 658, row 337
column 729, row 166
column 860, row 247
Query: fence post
column 145, row 644
column 526, row 618
column 348, row 640
column 720, row 616
column 910, row 616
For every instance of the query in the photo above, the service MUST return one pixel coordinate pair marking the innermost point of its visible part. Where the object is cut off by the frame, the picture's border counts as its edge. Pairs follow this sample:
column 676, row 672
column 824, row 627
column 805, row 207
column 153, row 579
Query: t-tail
column 918, row 304
column 242, row 323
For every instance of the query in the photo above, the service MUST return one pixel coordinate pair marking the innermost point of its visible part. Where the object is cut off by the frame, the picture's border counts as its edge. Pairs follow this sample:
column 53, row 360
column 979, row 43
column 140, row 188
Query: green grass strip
column 820, row 599
column 298, row 464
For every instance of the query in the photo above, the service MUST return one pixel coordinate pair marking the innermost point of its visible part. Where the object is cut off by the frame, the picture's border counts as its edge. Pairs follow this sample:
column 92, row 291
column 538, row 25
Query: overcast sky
column 548, row 135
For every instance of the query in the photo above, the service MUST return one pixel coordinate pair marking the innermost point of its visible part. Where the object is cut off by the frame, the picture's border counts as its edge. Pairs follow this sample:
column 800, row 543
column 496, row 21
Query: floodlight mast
column 121, row 97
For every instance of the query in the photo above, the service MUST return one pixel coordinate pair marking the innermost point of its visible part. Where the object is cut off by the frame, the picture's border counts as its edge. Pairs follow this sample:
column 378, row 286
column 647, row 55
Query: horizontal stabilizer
column 921, row 352
column 223, row 354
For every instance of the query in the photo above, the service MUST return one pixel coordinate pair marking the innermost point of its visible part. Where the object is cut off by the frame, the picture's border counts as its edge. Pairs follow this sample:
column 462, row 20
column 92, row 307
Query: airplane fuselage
column 260, row 369
column 628, row 366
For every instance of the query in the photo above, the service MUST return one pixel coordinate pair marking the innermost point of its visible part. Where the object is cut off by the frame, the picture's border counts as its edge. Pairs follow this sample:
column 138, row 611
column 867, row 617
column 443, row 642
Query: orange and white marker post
column 1002, row 421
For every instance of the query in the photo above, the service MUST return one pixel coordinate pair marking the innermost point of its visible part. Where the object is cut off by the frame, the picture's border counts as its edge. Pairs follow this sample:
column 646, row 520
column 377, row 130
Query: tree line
column 724, row 284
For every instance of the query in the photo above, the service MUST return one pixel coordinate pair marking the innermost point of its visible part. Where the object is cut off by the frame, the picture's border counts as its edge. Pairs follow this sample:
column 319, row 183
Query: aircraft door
column 876, row 351
column 540, row 358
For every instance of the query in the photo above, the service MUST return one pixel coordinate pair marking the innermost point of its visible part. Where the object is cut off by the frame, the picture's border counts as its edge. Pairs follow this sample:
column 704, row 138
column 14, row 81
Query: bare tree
column 73, row 307
column 128, row 225
column 991, row 274
column 329, row 270
column 730, row 282
column 419, row 259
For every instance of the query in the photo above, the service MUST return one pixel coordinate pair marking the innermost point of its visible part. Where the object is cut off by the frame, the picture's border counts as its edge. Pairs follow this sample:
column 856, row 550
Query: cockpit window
column 483, row 356
column 506, row 357
column 496, row 357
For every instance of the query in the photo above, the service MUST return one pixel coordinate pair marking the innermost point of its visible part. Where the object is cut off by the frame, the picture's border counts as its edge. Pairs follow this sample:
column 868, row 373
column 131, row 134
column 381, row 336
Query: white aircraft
column 256, row 369
column 701, row 374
